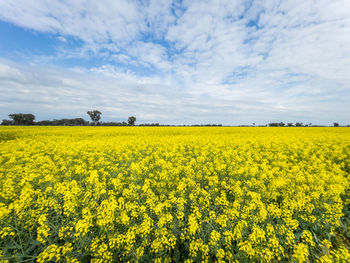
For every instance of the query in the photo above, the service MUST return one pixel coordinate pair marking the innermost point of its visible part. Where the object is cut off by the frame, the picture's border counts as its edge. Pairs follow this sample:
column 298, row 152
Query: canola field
column 174, row 194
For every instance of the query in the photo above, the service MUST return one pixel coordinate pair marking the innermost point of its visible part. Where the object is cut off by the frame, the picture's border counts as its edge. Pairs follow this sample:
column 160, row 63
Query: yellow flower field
column 173, row 194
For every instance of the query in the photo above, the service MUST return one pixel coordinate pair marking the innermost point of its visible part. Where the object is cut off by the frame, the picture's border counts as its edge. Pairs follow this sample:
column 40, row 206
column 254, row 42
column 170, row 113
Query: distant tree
column 274, row 124
column 57, row 122
column 44, row 123
column 149, row 124
column 29, row 119
column 111, row 123
column 131, row 121
column 95, row 115
column 78, row 122
column 335, row 124
column 22, row 118
column 298, row 124
column 7, row 122
column 17, row 118
column 289, row 124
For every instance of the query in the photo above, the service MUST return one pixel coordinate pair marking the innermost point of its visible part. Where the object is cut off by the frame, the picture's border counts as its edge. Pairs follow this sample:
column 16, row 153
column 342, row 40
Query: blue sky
column 177, row 62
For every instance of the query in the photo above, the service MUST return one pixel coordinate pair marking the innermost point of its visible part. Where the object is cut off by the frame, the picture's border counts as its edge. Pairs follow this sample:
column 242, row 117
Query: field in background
column 164, row 194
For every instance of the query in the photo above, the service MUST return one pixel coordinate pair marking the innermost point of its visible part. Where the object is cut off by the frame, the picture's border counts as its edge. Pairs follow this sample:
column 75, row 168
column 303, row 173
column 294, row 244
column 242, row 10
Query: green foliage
column 95, row 115
column 131, row 121
column 22, row 118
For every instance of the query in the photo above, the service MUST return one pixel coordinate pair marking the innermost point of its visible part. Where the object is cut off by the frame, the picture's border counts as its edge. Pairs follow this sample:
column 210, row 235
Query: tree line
column 27, row 119
column 297, row 124
column 95, row 116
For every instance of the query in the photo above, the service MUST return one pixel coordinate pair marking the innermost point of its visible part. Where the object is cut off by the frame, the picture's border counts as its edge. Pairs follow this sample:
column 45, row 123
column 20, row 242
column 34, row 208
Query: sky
column 177, row 62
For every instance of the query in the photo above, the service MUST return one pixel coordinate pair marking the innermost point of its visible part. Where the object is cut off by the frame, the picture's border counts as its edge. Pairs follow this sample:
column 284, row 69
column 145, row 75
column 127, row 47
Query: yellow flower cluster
column 161, row 194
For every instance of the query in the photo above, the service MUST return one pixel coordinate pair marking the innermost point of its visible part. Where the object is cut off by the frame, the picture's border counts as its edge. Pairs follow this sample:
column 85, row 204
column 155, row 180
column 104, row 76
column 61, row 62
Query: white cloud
column 62, row 39
column 53, row 93
column 90, row 21
column 150, row 54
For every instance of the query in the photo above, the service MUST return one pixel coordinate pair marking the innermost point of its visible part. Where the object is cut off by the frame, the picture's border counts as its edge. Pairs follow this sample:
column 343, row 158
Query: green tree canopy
column 95, row 115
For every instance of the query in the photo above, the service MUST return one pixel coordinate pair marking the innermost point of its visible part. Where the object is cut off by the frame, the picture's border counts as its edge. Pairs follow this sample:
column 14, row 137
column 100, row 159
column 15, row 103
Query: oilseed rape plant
column 171, row 194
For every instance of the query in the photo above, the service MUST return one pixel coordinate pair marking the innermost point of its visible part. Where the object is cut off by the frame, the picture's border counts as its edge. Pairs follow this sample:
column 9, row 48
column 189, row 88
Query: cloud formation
column 177, row 62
